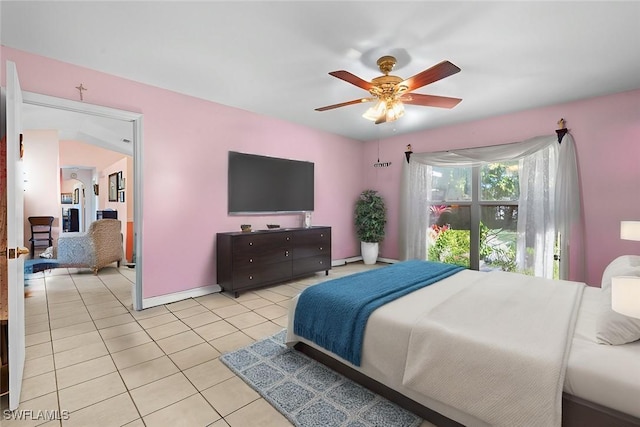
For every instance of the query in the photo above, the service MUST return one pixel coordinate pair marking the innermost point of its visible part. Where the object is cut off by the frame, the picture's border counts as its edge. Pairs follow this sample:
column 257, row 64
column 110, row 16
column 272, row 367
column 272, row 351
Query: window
column 473, row 215
column 480, row 200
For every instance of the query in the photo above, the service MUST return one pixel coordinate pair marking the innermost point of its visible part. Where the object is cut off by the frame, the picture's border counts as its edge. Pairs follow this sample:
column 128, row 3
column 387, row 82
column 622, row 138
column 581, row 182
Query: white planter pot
column 369, row 252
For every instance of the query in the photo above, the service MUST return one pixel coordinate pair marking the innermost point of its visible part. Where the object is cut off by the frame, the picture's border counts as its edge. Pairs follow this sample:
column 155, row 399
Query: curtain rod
column 562, row 131
column 408, row 153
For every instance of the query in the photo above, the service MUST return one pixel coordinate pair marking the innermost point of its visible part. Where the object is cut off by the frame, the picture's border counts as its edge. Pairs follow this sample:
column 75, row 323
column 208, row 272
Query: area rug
column 308, row 393
column 37, row 265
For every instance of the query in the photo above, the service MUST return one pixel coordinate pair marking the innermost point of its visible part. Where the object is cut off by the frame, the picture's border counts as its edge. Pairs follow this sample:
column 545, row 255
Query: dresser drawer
column 311, row 250
column 258, row 257
column 311, row 243
column 260, row 242
column 261, row 249
column 311, row 236
column 260, row 275
column 311, row 265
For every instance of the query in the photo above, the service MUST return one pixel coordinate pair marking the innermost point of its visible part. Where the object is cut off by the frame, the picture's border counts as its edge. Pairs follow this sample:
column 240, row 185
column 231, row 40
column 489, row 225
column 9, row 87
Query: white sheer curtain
column 549, row 200
column 569, row 219
column 536, row 211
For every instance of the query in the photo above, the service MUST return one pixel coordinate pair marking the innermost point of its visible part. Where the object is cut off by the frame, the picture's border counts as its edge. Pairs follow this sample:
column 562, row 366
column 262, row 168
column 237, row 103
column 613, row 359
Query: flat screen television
column 269, row 185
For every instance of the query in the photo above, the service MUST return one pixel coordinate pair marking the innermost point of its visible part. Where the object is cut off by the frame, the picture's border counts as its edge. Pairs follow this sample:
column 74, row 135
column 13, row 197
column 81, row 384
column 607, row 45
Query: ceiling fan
column 392, row 92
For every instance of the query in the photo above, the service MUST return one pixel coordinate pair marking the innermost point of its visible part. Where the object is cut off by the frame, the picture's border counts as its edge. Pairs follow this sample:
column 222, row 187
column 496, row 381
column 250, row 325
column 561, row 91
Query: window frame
column 475, row 208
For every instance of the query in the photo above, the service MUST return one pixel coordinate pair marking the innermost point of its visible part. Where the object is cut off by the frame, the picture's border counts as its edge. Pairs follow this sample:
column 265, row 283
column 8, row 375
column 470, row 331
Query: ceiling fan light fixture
column 388, row 110
column 377, row 111
column 390, row 92
column 395, row 111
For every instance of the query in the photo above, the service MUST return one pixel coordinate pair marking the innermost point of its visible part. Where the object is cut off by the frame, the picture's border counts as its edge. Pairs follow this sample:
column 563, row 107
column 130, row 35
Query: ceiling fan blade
column 433, row 74
column 344, row 104
column 351, row 78
column 430, row 100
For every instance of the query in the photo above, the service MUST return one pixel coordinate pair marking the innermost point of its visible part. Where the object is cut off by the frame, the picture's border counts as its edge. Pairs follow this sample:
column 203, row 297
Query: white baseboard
column 212, row 289
column 339, row 262
column 179, row 296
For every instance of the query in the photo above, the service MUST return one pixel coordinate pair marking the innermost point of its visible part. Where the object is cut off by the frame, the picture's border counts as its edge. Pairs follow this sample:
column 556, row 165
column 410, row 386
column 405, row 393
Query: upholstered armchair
column 100, row 246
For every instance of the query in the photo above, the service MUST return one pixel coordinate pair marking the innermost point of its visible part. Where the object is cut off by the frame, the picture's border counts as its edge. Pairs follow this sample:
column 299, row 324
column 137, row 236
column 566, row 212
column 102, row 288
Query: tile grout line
column 127, row 390
column 181, row 371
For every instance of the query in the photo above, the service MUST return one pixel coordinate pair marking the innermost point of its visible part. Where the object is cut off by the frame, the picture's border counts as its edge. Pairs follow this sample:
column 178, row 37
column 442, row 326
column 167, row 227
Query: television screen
column 261, row 184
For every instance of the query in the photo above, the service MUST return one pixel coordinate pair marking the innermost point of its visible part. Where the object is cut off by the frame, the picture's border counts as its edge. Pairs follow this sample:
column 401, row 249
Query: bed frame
column 576, row 412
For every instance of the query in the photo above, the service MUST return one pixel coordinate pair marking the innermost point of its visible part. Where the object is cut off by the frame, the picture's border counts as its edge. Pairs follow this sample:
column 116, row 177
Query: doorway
column 76, row 214
column 84, row 115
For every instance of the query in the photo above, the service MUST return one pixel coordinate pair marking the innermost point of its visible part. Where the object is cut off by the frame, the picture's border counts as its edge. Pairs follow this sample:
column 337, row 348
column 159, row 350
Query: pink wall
column 186, row 141
column 185, row 147
column 42, row 189
column 606, row 131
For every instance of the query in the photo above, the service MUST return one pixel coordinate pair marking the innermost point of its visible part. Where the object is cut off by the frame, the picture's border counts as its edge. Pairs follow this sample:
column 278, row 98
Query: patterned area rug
column 36, row 265
column 308, row 393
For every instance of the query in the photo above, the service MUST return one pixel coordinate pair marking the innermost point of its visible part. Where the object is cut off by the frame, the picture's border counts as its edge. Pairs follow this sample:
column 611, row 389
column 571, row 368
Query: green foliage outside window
column 500, row 181
column 451, row 246
column 497, row 248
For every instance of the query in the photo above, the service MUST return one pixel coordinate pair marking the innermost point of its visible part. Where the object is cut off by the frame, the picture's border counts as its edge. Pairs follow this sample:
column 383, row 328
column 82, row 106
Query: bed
column 597, row 384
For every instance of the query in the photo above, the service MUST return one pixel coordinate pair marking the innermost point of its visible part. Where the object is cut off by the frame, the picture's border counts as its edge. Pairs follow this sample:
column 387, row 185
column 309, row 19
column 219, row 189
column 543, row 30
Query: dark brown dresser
column 249, row 260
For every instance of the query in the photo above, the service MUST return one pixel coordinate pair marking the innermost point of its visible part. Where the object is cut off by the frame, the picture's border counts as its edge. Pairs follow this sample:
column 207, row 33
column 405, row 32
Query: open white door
column 15, row 236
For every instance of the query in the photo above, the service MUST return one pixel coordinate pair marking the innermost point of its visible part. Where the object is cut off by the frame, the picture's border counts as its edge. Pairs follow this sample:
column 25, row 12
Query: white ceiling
column 108, row 133
column 272, row 57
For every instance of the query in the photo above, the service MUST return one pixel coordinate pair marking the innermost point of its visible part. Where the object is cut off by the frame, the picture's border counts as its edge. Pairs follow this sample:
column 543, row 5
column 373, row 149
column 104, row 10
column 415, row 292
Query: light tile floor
column 89, row 355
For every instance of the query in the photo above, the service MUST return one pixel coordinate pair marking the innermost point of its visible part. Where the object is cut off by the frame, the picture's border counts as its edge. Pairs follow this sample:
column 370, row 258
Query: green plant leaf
column 370, row 217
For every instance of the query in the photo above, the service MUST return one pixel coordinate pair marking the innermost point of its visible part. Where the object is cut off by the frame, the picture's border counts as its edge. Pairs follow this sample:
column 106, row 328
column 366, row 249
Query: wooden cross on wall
column 80, row 89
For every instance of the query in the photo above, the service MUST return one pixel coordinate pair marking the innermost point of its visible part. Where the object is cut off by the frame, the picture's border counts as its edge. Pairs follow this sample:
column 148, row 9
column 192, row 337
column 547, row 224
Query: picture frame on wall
column 66, row 198
column 120, row 181
column 113, row 187
column 121, row 196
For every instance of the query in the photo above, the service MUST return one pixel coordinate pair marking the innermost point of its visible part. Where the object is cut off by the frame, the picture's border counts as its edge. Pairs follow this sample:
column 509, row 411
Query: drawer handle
column 287, row 239
column 320, row 247
column 321, row 235
column 250, row 259
column 250, row 243
column 250, row 277
column 321, row 262
column 286, row 253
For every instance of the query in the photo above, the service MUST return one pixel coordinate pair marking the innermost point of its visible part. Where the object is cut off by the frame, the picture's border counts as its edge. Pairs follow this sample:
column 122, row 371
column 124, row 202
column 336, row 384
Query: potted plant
column 370, row 219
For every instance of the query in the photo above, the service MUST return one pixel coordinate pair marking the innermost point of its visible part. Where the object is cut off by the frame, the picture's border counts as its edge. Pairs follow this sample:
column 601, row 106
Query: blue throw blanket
column 333, row 314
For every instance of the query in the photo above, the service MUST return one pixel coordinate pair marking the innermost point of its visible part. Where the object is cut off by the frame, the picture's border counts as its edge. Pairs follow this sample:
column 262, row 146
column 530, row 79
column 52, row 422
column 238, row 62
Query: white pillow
column 611, row 327
column 623, row 262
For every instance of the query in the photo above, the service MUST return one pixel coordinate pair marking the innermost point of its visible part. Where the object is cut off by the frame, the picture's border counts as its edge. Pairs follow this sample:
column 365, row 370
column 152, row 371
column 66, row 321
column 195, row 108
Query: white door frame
column 15, row 236
column 135, row 152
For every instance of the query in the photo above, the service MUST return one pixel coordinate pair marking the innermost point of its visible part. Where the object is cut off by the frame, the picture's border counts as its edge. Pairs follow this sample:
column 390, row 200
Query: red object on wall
column 128, row 254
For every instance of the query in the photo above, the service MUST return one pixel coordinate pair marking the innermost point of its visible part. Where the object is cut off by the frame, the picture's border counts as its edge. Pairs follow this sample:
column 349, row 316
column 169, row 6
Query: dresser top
column 273, row 230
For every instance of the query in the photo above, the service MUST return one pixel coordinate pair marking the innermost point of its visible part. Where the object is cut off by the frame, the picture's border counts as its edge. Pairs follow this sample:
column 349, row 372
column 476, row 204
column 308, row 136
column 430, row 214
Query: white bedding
column 600, row 373
column 498, row 349
column 590, row 372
